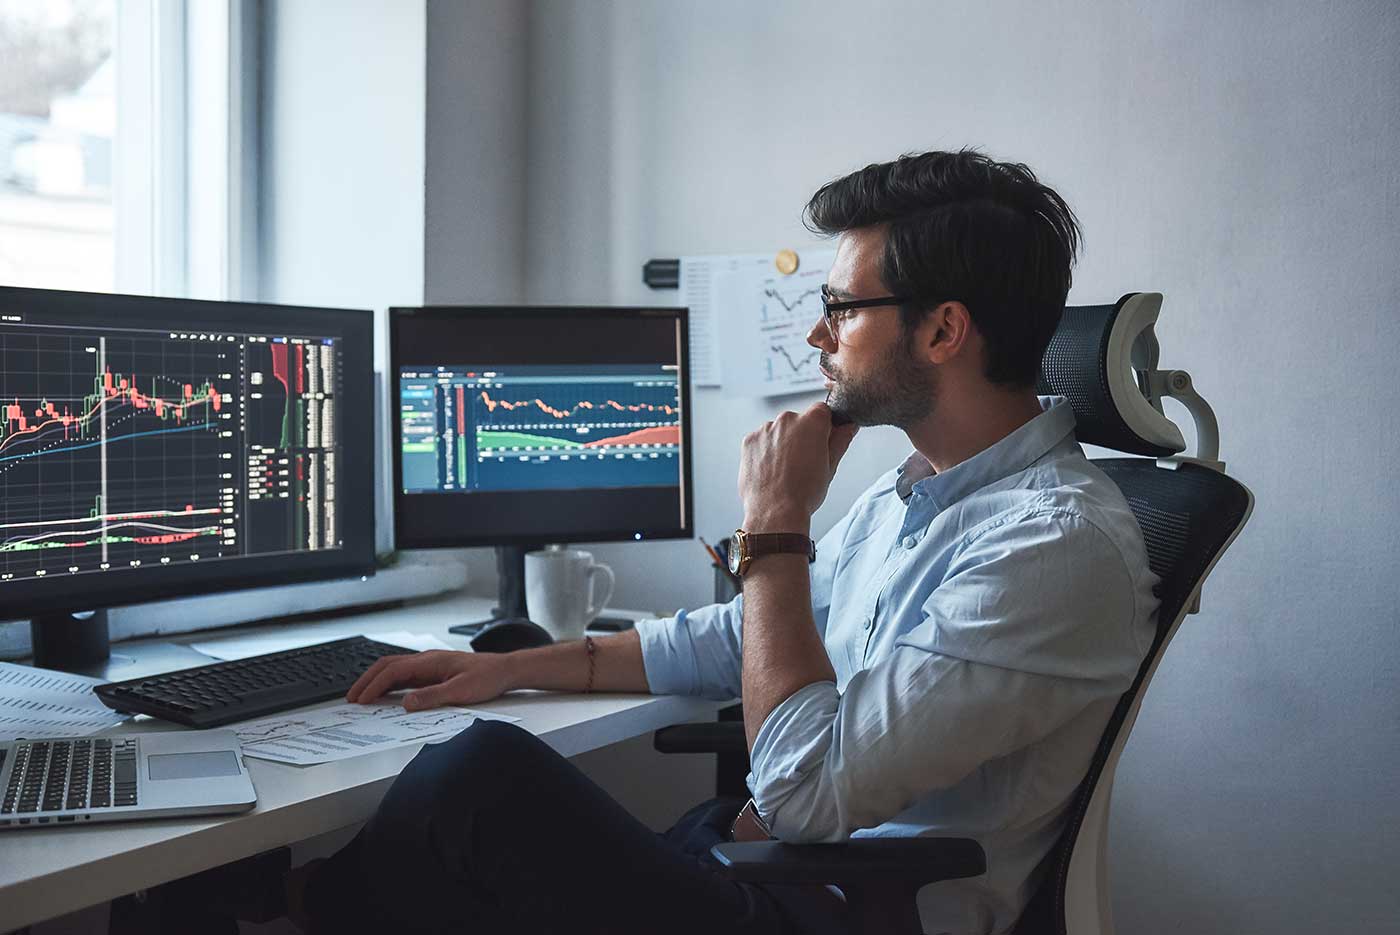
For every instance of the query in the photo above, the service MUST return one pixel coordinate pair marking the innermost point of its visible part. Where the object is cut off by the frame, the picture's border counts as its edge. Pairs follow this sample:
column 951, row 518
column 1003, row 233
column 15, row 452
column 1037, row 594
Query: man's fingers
column 840, row 440
column 400, row 672
column 363, row 681
column 381, row 682
column 433, row 696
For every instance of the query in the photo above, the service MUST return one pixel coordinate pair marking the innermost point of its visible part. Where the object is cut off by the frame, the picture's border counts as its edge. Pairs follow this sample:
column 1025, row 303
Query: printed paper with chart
column 765, row 317
column 345, row 730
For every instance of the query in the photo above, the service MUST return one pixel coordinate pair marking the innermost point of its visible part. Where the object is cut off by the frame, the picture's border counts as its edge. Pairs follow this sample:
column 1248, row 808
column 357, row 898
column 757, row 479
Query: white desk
column 52, row 871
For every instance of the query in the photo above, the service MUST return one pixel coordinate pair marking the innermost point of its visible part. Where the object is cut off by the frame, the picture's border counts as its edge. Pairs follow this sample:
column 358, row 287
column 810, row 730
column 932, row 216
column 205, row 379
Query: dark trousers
column 494, row 832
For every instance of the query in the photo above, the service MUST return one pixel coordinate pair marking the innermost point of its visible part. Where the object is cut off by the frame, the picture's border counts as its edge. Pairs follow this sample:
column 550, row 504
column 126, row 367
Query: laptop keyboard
column 69, row 775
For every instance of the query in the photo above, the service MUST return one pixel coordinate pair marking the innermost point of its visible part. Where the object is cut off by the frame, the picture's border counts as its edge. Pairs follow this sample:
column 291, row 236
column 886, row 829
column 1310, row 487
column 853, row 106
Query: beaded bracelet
column 592, row 649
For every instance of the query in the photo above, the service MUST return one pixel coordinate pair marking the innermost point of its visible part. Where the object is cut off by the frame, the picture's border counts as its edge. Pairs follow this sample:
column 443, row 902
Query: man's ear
column 946, row 332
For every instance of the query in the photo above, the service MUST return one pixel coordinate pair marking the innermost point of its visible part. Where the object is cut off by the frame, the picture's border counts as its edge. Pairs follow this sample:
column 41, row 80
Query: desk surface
column 51, row 871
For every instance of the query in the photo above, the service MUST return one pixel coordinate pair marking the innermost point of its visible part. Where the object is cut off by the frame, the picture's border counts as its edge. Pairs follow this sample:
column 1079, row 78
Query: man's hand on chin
column 784, row 471
column 786, row 466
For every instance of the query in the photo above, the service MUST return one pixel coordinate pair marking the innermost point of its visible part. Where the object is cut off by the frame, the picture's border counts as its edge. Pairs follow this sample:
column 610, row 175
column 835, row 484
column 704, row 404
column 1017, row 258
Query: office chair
column 1103, row 359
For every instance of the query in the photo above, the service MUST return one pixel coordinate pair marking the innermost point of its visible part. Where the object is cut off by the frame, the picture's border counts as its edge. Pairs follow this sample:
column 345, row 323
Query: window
column 126, row 146
column 57, row 123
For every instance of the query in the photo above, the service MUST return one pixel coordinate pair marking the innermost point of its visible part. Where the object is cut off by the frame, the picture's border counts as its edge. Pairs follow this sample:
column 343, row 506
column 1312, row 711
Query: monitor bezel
column 33, row 597
column 402, row 540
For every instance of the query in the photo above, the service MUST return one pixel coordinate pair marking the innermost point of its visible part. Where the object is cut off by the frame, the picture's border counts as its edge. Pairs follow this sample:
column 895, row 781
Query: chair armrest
column 711, row 737
column 883, row 861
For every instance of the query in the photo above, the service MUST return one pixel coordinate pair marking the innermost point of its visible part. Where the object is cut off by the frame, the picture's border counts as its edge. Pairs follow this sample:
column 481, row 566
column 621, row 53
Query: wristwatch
column 750, row 545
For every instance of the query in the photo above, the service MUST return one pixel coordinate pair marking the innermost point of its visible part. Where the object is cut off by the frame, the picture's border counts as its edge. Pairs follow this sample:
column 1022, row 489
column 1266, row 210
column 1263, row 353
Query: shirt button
column 868, row 622
column 910, row 542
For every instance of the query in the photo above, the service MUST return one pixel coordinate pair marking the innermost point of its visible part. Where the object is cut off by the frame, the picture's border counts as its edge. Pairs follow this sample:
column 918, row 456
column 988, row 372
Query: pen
column 713, row 554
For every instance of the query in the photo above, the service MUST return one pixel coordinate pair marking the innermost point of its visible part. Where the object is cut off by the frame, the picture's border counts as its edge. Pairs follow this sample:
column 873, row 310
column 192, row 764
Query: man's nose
column 819, row 336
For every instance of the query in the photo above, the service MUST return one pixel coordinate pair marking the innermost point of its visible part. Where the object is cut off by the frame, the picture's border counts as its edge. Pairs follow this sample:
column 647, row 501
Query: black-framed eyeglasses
column 832, row 310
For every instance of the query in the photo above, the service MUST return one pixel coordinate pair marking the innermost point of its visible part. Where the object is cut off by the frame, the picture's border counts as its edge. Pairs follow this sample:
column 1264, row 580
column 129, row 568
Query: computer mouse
column 510, row 635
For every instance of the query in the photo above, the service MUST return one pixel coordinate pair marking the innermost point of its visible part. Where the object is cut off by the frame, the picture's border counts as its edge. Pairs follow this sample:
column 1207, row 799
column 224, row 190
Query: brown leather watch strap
column 772, row 543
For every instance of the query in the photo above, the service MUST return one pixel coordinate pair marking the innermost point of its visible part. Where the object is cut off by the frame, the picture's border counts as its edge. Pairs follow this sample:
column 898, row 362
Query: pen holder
column 726, row 585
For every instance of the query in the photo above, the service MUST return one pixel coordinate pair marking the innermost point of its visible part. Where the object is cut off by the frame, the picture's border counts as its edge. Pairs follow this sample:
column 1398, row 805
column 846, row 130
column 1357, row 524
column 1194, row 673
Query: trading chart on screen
column 478, row 428
column 124, row 448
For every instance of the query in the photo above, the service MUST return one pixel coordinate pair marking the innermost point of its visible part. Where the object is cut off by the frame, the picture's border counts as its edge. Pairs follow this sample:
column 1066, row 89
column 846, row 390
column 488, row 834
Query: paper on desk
column 43, row 703
column 243, row 647
column 346, row 730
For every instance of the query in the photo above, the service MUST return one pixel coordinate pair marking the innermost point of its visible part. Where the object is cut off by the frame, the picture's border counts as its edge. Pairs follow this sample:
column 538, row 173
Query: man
column 945, row 666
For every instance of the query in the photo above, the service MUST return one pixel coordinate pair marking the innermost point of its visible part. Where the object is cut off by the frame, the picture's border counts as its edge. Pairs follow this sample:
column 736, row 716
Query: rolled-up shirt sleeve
column 1033, row 623
column 695, row 652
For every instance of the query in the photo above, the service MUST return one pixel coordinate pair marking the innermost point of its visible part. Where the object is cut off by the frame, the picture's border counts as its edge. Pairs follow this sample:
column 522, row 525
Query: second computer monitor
column 520, row 425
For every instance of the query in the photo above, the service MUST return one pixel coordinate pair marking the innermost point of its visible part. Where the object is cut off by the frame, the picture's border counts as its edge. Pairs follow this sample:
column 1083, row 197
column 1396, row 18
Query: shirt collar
column 1012, row 454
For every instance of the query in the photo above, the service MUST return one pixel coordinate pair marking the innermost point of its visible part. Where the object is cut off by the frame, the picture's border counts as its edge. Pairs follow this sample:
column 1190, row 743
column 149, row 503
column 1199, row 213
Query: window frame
column 185, row 180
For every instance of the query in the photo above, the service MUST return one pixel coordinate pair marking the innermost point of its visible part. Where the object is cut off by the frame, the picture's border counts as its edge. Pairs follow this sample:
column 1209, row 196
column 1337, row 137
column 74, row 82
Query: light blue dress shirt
column 981, row 623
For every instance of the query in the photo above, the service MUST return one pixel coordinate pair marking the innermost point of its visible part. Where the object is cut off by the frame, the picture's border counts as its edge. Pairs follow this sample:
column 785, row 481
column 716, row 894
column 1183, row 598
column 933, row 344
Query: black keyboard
column 208, row 696
column 68, row 775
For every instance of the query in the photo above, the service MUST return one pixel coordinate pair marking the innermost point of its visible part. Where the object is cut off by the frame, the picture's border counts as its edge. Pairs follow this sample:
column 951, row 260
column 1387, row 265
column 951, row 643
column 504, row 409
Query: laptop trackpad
column 193, row 765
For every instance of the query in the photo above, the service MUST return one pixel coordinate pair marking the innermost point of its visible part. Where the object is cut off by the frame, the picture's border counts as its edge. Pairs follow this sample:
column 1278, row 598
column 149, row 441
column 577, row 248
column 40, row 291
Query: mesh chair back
column 1188, row 516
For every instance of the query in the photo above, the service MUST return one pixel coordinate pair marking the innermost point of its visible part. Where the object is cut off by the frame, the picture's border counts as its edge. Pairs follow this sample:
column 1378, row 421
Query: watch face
column 734, row 558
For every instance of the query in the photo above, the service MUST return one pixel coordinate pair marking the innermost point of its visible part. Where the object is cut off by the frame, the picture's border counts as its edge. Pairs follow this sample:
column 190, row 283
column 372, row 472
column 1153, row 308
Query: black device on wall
column 155, row 448
column 520, row 426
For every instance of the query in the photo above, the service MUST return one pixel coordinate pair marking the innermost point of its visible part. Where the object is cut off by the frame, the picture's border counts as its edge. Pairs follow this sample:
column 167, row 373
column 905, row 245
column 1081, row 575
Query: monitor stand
column 510, row 589
column 71, row 642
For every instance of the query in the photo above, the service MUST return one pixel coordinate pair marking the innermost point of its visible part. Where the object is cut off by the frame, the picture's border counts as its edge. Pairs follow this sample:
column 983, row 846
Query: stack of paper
column 43, row 703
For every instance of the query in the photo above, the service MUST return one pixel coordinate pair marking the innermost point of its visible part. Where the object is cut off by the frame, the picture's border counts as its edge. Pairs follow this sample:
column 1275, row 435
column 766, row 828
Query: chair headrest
column 1098, row 359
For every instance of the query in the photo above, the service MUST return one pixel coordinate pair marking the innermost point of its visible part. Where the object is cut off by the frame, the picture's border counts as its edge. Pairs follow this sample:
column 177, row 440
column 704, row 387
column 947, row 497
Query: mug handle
column 598, row 605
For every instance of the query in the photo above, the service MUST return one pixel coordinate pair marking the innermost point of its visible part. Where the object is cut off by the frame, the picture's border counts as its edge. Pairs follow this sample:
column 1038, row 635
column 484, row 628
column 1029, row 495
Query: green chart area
column 522, row 440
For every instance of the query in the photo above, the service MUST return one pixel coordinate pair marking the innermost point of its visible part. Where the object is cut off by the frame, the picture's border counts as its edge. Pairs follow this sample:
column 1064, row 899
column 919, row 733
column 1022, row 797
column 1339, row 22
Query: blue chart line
column 56, row 451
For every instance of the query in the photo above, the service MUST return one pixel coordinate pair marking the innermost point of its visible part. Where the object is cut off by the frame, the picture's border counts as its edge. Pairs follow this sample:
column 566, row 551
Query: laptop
column 83, row 780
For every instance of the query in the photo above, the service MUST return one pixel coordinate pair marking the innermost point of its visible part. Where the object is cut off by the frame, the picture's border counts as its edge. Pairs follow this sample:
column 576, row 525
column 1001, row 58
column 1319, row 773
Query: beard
column 899, row 391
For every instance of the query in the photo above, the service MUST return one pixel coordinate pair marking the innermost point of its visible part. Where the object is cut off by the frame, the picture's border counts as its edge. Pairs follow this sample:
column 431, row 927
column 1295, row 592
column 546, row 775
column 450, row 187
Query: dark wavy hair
column 961, row 226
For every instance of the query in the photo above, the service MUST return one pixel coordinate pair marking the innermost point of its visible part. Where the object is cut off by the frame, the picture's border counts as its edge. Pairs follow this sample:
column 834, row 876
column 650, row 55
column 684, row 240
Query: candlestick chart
column 123, row 448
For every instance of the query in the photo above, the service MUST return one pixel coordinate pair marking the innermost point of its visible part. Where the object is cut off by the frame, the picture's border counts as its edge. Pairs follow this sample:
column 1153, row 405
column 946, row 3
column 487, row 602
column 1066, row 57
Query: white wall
column 343, row 152
column 1240, row 158
column 475, row 158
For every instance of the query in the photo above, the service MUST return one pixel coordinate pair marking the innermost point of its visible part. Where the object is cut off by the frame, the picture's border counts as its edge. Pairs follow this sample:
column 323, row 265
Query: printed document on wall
column 699, row 275
column 763, row 320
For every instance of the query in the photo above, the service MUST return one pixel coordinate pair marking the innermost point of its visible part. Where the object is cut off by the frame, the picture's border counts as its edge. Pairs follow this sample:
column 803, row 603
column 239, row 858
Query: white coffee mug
column 559, row 590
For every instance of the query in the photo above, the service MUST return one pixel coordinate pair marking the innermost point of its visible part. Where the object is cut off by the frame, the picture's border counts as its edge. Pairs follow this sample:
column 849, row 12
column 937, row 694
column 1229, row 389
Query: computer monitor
column 154, row 448
column 523, row 426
